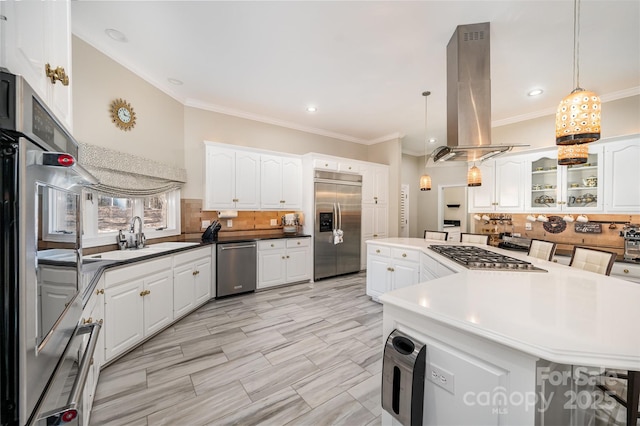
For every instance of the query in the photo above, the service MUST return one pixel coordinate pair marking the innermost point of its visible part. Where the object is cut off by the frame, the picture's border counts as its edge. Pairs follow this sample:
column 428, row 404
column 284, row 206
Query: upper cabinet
column 36, row 36
column 502, row 186
column 375, row 184
column 553, row 188
column 281, row 182
column 231, row 179
column 622, row 159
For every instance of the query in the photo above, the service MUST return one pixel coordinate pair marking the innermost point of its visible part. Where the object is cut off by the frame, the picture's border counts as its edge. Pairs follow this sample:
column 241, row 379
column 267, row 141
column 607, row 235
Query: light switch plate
column 229, row 223
column 205, row 223
column 274, row 222
column 440, row 377
column 527, row 226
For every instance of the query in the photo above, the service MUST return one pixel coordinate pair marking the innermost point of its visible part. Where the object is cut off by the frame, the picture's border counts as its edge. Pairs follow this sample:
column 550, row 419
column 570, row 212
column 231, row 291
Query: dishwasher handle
column 238, row 247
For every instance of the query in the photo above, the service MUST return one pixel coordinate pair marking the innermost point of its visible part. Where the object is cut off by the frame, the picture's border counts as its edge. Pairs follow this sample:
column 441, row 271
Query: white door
column 482, row 197
column 509, row 183
column 298, row 264
column 292, row 183
column 203, row 280
column 622, row 191
column 404, row 210
column 220, row 178
column 405, row 274
column 377, row 275
column 183, row 291
column 247, row 179
column 158, row 302
column 271, row 181
column 271, row 268
column 123, row 317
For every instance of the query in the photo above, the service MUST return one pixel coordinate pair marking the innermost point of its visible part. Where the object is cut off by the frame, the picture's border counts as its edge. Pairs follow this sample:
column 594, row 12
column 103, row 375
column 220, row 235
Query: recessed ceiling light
column 433, row 140
column 535, row 92
column 116, row 35
column 312, row 109
column 175, row 81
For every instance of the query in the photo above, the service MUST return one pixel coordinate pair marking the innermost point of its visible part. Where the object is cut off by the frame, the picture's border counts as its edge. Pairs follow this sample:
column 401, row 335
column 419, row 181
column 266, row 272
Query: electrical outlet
column 274, row 222
column 517, row 234
column 440, row 377
column 229, row 223
column 527, row 226
column 205, row 223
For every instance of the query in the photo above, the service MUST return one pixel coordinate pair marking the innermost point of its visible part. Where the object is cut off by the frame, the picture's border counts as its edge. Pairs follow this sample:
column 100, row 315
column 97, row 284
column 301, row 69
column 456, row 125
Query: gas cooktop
column 478, row 258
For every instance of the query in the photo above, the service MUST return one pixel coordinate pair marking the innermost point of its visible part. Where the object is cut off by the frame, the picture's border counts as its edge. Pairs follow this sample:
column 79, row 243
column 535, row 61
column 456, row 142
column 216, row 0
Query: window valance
column 128, row 175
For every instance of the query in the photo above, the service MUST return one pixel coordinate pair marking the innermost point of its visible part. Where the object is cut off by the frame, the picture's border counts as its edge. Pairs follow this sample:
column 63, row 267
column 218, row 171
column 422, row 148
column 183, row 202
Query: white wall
column 451, row 173
column 410, row 175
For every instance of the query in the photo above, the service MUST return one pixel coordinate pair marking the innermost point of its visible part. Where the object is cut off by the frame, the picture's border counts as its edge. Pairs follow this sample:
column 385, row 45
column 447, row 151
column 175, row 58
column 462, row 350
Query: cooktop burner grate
column 478, row 258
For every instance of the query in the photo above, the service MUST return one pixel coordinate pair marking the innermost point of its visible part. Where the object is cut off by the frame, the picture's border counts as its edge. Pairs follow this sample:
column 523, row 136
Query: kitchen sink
column 146, row 251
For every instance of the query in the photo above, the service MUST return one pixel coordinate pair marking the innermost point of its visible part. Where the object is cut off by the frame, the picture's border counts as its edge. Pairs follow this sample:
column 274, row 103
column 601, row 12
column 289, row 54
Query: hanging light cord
column 426, row 137
column 576, row 45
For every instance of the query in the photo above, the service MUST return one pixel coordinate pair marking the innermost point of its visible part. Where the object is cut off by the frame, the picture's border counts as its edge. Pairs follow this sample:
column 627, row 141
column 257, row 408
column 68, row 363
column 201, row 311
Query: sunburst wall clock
column 122, row 114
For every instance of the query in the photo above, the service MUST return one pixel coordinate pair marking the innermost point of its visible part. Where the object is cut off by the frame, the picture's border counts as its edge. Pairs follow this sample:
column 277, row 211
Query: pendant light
column 425, row 179
column 474, row 176
column 578, row 114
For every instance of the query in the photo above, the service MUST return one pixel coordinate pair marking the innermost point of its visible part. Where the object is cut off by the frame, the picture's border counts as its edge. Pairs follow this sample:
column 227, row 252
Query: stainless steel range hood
column 469, row 97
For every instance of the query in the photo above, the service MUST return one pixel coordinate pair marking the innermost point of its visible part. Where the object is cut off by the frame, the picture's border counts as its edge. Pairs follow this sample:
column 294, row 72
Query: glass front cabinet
column 554, row 188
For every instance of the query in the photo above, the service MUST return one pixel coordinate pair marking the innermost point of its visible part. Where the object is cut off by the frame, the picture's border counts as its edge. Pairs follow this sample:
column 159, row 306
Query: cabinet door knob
column 283, row 257
column 349, row 167
column 87, row 321
column 287, row 256
column 58, row 74
column 376, row 236
column 298, row 242
column 235, row 200
column 404, row 254
column 377, row 251
column 626, row 271
column 391, row 269
column 326, row 164
column 193, row 272
column 272, row 245
column 100, row 291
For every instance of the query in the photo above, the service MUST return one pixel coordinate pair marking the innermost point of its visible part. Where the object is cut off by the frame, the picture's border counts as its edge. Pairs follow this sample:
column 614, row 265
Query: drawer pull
column 58, row 74
column 287, row 256
column 375, row 235
column 377, row 251
column 235, row 200
column 626, row 271
column 283, row 257
column 272, row 245
column 404, row 254
column 298, row 242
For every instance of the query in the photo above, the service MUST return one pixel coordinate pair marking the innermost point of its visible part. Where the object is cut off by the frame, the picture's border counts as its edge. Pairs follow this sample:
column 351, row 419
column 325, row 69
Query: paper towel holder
column 227, row 214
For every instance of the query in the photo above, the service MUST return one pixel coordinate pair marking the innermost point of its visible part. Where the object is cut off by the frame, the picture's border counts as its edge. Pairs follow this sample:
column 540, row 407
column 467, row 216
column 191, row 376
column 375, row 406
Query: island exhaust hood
column 469, row 97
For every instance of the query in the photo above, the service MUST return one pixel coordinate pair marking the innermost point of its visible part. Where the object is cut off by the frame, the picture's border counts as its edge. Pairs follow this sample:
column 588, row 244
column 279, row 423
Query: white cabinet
column 36, row 34
column 191, row 280
column 375, row 184
column 390, row 268
column 231, row 179
column 281, row 182
column 93, row 312
column 283, row 261
column 626, row 271
column 138, row 303
column 336, row 164
column 430, row 268
column 502, row 186
column 622, row 160
column 553, row 188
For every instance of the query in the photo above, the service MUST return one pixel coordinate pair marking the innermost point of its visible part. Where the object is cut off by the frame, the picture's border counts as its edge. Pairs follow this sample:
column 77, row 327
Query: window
column 105, row 216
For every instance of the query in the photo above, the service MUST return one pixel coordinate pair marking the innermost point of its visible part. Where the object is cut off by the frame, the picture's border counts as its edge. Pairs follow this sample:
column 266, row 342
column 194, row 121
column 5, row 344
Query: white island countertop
column 565, row 315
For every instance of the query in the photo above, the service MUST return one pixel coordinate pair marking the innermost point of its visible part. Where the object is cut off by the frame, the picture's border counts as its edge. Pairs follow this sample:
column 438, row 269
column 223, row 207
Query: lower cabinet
column 93, row 312
column 191, row 280
column 138, row 303
column 391, row 268
column 283, row 261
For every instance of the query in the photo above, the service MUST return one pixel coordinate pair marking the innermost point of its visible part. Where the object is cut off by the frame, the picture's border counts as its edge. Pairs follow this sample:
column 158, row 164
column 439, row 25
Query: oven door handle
column 71, row 408
column 85, row 364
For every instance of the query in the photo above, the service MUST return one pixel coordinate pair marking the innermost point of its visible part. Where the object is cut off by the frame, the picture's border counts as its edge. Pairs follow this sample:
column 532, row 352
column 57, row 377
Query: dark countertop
column 95, row 267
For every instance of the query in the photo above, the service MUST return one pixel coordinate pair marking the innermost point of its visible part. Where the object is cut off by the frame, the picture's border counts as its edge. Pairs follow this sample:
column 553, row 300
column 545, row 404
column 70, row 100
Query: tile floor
column 309, row 354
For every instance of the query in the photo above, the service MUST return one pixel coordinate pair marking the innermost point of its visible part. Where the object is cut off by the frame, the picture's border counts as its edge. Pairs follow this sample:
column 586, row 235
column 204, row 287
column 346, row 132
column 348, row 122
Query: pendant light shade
column 425, row 179
column 425, row 183
column 578, row 118
column 572, row 154
column 578, row 114
column 474, row 177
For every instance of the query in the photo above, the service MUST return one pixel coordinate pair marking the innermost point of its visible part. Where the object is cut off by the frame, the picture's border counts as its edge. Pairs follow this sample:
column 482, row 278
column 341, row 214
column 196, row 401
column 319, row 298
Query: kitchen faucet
column 139, row 239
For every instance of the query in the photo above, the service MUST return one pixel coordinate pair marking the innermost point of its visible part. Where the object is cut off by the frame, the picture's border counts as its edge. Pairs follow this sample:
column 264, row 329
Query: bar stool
column 474, row 238
column 542, row 249
column 436, row 235
column 594, row 260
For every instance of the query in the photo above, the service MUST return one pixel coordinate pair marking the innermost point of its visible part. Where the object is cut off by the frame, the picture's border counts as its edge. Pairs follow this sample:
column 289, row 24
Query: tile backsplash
column 192, row 216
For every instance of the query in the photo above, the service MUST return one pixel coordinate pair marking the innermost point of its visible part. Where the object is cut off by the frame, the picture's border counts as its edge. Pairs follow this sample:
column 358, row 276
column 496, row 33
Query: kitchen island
column 504, row 345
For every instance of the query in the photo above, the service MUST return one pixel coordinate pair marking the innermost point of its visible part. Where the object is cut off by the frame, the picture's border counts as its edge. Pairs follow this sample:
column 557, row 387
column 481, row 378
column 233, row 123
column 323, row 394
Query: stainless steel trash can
column 403, row 369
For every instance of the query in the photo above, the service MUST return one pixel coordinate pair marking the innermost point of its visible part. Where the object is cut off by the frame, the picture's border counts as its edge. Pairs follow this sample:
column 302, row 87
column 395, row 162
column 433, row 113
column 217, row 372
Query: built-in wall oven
column 44, row 351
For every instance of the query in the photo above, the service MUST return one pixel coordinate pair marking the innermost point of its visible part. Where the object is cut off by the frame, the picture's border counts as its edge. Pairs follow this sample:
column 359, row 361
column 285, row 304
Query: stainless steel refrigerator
column 338, row 208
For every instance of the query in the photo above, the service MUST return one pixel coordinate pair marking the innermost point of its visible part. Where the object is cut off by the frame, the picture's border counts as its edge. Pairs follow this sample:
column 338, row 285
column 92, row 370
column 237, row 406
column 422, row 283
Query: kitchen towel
column 337, row 236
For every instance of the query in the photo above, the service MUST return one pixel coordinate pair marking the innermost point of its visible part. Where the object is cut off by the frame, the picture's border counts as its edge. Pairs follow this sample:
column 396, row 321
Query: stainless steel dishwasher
column 236, row 265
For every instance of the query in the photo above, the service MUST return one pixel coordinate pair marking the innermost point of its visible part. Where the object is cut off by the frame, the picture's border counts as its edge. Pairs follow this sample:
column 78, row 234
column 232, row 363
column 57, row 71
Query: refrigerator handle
column 334, row 223
column 339, row 217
